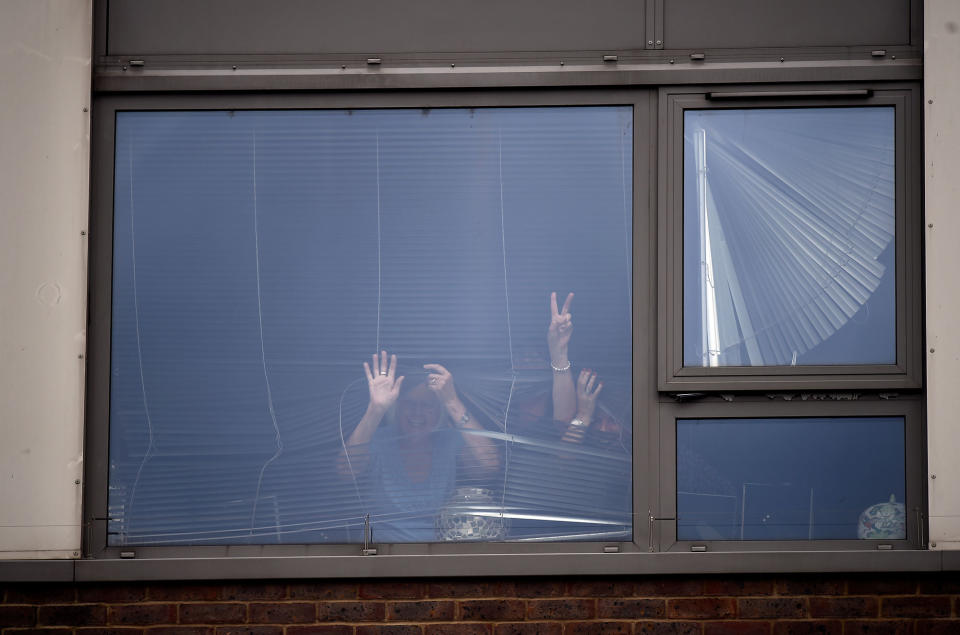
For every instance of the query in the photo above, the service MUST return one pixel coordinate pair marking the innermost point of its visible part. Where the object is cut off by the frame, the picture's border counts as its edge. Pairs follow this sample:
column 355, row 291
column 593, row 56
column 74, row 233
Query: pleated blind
column 789, row 254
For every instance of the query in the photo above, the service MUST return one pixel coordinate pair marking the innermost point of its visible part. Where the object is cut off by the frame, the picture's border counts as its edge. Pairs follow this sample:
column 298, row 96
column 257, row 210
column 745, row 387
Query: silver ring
column 383, row 372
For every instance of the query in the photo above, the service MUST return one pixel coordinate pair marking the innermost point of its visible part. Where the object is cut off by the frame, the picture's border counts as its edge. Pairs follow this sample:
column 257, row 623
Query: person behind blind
column 408, row 447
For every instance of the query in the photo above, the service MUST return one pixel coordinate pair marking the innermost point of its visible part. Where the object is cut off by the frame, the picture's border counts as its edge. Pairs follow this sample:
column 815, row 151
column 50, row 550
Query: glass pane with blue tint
column 262, row 259
column 789, row 219
column 791, row 479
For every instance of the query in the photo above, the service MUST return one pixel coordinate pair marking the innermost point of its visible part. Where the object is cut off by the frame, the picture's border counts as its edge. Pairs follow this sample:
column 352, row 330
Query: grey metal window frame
column 100, row 311
column 763, row 406
column 907, row 372
column 649, row 552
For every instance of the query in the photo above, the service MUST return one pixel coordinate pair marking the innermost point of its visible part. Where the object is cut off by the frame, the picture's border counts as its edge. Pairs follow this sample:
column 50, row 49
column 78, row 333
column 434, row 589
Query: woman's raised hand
column 587, row 390
column 440, row 381
column 561, row 328
column 384, row 386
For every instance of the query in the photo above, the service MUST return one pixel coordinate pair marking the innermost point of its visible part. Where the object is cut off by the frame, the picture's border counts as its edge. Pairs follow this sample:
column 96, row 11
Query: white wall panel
column 45, row 48
column 942, row 174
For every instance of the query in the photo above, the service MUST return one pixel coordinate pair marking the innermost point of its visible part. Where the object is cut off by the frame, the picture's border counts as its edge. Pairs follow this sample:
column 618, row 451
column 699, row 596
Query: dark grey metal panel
column 36, row 570
column 375, row 27
column 708, row 24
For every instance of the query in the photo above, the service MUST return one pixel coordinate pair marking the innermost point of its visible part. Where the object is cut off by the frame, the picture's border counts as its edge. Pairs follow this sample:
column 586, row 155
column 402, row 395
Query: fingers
column 437, row 368
column 566, row 304
column 383, row 362
column 399, row 382
column 553, row 304
column 597, row 391
column 393, row 366
column 376, row 364
column 366, row 370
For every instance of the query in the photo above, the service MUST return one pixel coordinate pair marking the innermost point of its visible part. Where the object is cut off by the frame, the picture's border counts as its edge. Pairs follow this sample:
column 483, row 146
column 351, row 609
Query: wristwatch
column 577, row 422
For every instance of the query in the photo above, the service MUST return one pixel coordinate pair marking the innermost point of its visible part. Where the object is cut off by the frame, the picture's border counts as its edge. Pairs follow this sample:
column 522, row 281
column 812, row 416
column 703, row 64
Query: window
column 795, row 258
column 276, row 271
column 790, row 338
column 268, row 255
column 781, row 473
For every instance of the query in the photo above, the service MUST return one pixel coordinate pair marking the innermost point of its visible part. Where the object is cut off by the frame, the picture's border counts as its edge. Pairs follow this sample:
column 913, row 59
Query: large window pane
column 791, row 479
column 789, row 237
column 261, row 257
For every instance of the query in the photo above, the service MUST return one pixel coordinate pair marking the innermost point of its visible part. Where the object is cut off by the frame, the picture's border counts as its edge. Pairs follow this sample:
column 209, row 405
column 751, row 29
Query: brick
column 18, row 616
column 492, row 610
column 808, row 585
column 142, row 614
column 700, row 608
column 933, row 606
column 528, row 628
column 111, row 593
column 539, row 588
column 249, row 630
column 597, row 628
column 601, row 588
column 184, row 592
column 772, row 607
column 471, row 589
column 282, row 612
column 321, row 629
column 108, row 630
column 561, row 609
column 72, row 615
column 457, row 629
column 667, row 628
column 254, row 592
column 426, row 610
column 873, row 585
column 878, row 627
column 940, row 583
column 323, row 591
column 811, row 627
column 41, row 594
column 938, row 627
column 736, row 628
column 392, row 590
column 669, row 587
column 38, row 631
column 844, row 607
column 389, row 629
column 213, row 613
column 350, row 611
column 631, row 608
column 738, row 586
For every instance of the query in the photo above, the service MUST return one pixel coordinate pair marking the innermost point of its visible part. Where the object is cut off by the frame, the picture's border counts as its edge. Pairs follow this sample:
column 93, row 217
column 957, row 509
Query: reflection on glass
column 791, row 479
column 788, row 237
column 262, row 257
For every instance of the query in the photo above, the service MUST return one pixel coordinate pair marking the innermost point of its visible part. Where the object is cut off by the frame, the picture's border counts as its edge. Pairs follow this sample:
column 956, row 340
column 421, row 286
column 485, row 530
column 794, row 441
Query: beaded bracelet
column 560, row 370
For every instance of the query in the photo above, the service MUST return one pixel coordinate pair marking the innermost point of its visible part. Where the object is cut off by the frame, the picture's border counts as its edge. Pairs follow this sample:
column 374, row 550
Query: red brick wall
column 705, row 605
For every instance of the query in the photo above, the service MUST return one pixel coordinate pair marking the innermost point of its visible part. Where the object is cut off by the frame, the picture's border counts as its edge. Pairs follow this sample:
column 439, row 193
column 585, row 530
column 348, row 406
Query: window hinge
column 698, row 548
column 687, row 396
column 611, row 549
column 885, row 547
column 127, row 555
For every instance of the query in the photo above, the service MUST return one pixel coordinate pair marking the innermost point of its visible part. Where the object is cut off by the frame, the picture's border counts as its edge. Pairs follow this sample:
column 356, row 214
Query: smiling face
column 418, row 411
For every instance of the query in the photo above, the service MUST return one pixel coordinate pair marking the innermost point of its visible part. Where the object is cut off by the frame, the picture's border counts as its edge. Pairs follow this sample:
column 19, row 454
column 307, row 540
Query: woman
column 412, row 463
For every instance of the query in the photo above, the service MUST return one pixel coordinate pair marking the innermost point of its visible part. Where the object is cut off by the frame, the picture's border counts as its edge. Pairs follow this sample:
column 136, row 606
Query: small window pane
column 261, row 258
column 791, row 479
column 789, row 237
